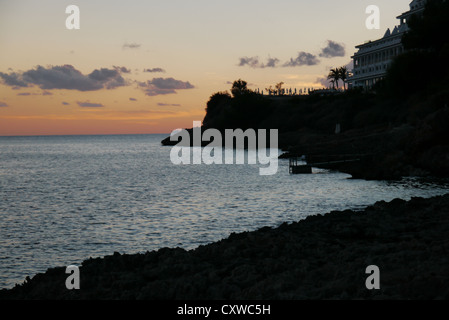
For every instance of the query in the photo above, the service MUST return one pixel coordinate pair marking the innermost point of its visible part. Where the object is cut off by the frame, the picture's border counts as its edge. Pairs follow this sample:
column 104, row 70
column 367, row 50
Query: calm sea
column 64, row 199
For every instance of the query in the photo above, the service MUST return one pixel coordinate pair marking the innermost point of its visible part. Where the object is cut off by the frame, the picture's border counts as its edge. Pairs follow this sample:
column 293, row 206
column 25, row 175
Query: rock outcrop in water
column 322, row 257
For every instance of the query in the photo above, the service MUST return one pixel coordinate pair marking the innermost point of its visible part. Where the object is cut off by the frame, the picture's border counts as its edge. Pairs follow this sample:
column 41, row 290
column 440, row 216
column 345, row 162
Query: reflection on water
column 65, row 199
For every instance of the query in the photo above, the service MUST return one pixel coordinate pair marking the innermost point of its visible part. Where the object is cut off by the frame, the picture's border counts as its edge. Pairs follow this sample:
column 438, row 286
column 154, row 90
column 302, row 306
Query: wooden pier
column 295, row 167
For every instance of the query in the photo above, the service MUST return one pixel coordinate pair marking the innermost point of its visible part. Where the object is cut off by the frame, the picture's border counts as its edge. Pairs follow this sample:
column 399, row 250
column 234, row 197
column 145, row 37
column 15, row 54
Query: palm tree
column 334, row 76
column 343, row 75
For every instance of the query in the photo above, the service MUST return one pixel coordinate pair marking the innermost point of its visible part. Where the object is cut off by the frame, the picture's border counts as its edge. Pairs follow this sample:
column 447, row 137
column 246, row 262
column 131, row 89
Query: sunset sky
column 150, row 66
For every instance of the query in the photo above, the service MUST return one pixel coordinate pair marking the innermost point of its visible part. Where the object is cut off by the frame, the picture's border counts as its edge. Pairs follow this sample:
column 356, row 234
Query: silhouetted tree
column 216, row 107
column 425, row 64
column 239, row 87
column 343, row 75
column 216, row 99
column 334, row 75
column 429, row 30
column 279, row 87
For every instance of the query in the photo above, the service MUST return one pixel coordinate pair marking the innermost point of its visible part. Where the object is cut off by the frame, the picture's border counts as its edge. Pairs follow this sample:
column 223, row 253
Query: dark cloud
column 44, row 93
column 303, row 59
column 122, row 69
column 153, row 70
column 132, row 99
column 110, row 78
column 65, row 77
column 333, row 49
column 168, row 104
column 163, row 86
column 3, row 104
column 272, row 62
column 170, row 83
column 88, row 104
column 324, row 81
column 61, row 77
column 65, row 103
column 131, row 46
column 13, row 80
column 254, row 62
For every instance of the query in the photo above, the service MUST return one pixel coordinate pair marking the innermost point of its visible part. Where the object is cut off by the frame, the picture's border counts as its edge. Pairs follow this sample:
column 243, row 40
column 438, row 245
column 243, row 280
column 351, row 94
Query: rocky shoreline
column 321, row 257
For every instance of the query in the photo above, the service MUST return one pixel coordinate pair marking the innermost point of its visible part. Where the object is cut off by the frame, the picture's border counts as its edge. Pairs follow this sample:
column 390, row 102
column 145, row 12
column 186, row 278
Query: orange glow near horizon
column 192, row 48
column 60, row 113
column 92, row 121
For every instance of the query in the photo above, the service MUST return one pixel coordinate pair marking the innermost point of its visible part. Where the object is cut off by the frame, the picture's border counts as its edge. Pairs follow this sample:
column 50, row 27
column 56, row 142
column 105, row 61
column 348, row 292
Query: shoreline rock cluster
column 321, row 257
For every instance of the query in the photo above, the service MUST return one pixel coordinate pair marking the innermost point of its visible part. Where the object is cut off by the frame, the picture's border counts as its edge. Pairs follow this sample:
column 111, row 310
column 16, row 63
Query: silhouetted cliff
column 401, row 126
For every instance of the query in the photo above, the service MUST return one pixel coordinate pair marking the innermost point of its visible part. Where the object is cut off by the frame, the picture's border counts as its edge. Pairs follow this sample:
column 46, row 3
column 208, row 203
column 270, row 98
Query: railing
column 323, row 161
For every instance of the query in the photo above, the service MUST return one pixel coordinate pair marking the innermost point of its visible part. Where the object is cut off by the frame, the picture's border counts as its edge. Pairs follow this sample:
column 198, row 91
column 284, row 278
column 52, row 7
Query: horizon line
column 80, row 134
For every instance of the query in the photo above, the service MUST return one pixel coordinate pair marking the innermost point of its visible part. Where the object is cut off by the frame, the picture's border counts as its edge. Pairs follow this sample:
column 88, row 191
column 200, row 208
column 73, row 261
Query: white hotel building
column 373, row 58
